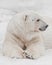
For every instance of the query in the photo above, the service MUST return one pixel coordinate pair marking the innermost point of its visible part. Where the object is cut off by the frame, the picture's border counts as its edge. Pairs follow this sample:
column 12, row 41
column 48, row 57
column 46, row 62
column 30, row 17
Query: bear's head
column 34, row 22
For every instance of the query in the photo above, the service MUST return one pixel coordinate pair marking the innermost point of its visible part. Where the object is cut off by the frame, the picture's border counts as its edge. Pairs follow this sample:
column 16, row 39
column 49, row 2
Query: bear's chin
column 36, row 30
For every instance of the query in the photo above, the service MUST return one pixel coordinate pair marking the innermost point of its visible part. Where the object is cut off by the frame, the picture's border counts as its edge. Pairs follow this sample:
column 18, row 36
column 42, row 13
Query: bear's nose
column 46, row 26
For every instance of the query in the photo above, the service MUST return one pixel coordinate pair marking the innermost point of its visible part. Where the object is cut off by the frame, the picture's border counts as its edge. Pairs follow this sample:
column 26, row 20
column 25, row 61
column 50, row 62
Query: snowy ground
column 44, row 60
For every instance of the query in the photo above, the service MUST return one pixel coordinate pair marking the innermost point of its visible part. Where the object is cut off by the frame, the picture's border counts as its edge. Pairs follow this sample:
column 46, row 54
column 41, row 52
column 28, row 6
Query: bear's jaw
column 36, row 30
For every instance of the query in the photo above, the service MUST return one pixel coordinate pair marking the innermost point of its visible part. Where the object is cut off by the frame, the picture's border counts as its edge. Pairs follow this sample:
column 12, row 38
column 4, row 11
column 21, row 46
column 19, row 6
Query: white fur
column 22, row 32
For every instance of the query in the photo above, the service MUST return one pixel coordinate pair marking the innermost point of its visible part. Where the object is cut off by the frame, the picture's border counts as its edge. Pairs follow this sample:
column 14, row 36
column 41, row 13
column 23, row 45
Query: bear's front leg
column 12, row 51
column 34, row 51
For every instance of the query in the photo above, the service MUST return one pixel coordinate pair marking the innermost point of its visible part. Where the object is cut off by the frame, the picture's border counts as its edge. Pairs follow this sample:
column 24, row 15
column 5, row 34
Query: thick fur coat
column 23, row 37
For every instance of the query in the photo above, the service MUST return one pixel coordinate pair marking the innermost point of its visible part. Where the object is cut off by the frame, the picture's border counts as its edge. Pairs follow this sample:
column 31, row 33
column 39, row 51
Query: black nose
column 46, row 26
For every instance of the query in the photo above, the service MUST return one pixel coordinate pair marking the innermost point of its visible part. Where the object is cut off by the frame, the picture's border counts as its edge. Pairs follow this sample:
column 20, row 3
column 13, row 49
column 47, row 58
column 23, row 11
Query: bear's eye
column 38, row 20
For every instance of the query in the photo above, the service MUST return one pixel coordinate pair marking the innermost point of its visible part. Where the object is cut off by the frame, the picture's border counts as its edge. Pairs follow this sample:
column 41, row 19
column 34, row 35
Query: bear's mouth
column 42, row 29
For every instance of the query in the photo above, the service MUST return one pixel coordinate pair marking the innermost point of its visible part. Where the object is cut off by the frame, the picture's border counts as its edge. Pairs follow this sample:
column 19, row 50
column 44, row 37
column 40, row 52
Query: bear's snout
column 43, row 28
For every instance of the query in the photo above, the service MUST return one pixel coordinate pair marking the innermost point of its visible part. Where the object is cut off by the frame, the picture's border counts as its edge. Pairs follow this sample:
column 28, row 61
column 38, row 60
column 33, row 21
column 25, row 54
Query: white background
column 42, row 6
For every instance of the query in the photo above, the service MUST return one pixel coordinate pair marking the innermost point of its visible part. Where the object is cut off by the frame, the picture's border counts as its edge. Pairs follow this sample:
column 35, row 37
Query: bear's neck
column 30, row 35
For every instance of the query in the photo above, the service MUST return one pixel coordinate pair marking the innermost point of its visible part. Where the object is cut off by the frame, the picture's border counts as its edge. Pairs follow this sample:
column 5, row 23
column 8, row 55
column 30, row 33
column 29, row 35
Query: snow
column 44, row 60
column 42, row 6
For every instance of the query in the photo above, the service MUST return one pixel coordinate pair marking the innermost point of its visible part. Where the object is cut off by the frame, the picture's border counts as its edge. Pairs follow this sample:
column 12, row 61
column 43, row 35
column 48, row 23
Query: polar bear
column 23, row 36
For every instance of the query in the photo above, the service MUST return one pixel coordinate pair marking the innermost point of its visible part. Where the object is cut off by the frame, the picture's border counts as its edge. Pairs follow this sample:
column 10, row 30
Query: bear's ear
column 25, row 17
